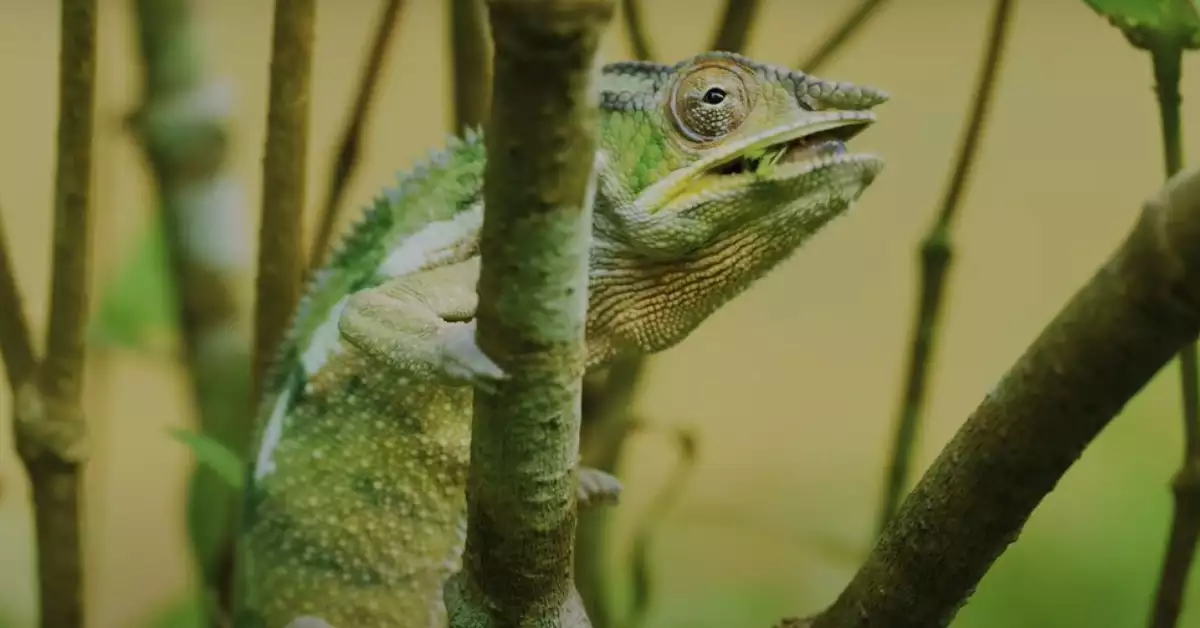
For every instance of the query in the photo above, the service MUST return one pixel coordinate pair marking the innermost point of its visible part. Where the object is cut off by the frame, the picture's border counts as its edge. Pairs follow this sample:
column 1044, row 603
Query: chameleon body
column 710, row 172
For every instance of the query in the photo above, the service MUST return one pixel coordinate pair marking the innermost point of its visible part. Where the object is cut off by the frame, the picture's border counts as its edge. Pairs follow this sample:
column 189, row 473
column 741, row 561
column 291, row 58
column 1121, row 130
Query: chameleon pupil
column 714, row 96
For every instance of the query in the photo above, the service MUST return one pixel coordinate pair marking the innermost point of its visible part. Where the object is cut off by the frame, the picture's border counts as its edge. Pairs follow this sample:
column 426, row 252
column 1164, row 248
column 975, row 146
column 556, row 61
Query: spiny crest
column 352, row 262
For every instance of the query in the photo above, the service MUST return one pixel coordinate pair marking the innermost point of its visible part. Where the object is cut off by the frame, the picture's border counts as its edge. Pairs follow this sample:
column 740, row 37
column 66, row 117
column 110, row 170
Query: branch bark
column 16, row 343
column 182, row 128
column 539, row 184
column 280, row 238
column 350, row 147
column 471, row 51
column 47, row 416
column 1120, row 329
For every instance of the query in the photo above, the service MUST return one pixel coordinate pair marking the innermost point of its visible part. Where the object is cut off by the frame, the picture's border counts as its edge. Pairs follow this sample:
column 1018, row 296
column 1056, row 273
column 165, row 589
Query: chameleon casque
column 710, row 173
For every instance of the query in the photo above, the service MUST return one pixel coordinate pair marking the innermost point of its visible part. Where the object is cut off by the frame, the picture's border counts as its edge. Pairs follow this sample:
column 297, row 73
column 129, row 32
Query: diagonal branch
column 635, row 29
column 841, row 35
column 737, row 20
column 47, row 416
column 1117, row 331
column 16, row 344
column 350, row 148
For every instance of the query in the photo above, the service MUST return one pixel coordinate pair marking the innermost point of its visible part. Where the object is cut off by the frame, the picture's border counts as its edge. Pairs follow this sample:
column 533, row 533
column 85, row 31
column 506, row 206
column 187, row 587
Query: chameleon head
column 715, row 170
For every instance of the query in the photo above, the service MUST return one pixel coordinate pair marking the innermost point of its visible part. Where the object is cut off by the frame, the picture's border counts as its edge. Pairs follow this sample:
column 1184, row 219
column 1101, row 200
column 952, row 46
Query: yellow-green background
column 792, row 387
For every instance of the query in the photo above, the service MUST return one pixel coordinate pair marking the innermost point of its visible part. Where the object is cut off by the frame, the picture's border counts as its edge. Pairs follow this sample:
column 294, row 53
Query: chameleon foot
column 462, row 360
column 597, row 488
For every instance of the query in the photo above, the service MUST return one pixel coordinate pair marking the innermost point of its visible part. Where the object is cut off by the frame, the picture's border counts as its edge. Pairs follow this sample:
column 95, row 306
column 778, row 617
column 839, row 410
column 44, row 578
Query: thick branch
column 1120, row 329
column 539, row 184
column 471, row 51
column 350, row 147
column 280, row 252
column 736, row 22
column 48, row 420
column 182, row 128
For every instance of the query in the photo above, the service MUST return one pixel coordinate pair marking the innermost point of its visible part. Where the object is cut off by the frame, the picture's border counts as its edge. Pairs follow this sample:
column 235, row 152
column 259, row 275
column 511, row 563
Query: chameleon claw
column 463, row 361
column 597, row 488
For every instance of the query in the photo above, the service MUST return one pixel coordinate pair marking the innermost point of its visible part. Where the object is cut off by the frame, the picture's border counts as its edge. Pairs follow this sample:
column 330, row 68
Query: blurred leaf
column 1149, row 22
column 216, row 456
column 136, row 303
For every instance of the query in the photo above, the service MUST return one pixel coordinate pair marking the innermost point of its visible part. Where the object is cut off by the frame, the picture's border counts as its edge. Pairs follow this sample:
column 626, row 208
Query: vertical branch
column 539, row 185
column 1185, row 524
column 182, row 128
column 936, row 253
column 16, row 344
column 635, row 29
column 841, row 35
column 471, row 53
column 736, row 21
column 350, row 148
column 280, row 253
column 47, row 417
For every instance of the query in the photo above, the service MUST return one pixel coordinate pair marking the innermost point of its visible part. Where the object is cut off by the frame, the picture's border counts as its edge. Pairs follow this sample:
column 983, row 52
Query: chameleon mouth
column 794, row 151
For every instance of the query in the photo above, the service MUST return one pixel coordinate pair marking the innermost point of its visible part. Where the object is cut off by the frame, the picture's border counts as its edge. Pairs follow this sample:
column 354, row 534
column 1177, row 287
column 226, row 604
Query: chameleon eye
column 709, row 103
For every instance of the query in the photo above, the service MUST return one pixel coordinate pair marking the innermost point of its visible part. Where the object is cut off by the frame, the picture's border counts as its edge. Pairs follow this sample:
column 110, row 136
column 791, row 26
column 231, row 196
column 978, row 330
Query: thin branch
column 635, row 29
column 605, row 427
column 539, row 182
column 16, row 344
column 280, row 239
column 841, row 35
column 48, row 419
column 182, row 128
column 737, row 20
column 350, row 148
column 644, row 531
column 1109, row 340
column 1185, row 525
column 936, row 254
column 471, row 51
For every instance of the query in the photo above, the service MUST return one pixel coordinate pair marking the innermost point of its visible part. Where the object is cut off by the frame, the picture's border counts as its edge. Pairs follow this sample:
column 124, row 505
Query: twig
column 182, row 128
column 645, row 529
column 1185, row 525
column 280, row 243
column 16, row 344
column 471, row 52
column 48, row 420
column 635, row 29
column 350, row 148
column 936, row 253
column 736, row 21
column 841, row 35
column 1118, row 330
column 539, row 182
column 605, row 428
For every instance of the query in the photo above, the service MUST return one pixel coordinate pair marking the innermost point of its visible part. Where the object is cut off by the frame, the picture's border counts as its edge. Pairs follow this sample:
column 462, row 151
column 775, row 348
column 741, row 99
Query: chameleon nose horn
column 840, row 95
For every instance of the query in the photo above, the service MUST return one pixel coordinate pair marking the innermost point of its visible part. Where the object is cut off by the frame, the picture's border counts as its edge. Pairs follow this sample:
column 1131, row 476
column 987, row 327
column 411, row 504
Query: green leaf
column 1148, row 23
column 216, row 456
column 136, row 304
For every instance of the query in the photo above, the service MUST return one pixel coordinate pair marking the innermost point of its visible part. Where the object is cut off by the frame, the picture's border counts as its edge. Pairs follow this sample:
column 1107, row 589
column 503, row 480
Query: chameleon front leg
column 424, row 324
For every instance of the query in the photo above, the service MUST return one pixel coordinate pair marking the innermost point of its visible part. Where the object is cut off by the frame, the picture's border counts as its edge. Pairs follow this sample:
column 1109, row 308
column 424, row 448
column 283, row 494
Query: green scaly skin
column 711, row 172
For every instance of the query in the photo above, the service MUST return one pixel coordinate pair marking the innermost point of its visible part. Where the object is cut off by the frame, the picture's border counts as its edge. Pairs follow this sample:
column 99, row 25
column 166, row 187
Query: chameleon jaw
column 785, row 151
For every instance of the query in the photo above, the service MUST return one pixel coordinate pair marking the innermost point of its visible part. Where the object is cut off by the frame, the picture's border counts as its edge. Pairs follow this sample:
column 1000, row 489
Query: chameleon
column 710, row 173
